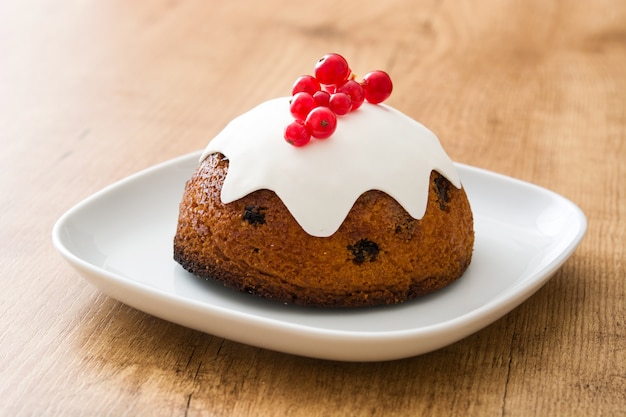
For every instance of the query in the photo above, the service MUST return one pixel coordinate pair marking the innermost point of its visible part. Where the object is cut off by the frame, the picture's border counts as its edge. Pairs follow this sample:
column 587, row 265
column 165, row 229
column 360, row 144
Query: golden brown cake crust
column 379, row 255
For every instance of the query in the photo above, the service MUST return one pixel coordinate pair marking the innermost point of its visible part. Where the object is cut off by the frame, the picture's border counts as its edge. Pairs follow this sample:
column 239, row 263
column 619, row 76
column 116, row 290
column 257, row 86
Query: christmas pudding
column 331, row 200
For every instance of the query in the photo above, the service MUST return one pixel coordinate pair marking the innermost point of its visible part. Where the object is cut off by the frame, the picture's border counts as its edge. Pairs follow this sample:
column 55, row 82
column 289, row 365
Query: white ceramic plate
column 120, row 240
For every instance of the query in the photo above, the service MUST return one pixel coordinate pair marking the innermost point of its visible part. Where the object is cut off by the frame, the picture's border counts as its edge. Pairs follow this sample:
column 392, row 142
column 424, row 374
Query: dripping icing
column 375, row 147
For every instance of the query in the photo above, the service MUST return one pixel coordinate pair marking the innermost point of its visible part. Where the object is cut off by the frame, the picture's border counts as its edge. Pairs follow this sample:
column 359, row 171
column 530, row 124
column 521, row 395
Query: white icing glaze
column 374, row 147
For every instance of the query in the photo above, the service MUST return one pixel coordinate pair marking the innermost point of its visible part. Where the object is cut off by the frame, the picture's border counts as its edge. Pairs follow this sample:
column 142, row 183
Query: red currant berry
column 355, row 91
column 340, row 103
column 300, row 105
column 306, row 84
column 377, row 86
column 321, row 122
column 332, row 69
column 297, row 134
column 322, row 98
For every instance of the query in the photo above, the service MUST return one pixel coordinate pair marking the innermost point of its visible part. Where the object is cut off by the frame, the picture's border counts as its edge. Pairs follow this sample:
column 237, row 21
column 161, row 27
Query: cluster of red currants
column 317, row 100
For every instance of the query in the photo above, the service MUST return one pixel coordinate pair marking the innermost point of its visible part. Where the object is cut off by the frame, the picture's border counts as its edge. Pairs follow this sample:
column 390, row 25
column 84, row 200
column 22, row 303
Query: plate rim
column 477, row 318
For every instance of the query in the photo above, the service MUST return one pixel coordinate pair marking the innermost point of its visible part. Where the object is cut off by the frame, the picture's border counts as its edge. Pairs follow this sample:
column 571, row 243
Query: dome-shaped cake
column 375, row 214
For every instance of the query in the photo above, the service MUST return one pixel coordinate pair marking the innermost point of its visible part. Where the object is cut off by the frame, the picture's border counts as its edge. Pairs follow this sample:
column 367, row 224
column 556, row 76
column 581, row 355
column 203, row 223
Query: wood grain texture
column 91, row 92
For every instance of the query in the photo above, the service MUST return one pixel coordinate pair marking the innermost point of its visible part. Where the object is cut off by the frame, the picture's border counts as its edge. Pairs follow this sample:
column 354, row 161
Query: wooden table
column 91, row 92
